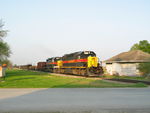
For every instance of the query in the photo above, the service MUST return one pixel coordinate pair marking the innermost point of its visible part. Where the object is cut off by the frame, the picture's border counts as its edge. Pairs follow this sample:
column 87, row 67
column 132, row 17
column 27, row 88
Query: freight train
column 84, row 63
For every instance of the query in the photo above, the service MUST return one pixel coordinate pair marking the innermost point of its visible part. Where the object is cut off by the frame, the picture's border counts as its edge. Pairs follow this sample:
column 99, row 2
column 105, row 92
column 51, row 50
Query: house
column 126, row 63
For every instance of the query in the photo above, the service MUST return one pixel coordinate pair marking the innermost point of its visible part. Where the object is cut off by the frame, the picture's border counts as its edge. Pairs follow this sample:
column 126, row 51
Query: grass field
column 128, row 77
column 30, row 79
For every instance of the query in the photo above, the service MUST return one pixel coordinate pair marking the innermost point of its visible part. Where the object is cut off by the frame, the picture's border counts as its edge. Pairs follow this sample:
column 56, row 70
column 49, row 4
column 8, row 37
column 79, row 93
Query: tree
column 4, row 48
column 143, row 45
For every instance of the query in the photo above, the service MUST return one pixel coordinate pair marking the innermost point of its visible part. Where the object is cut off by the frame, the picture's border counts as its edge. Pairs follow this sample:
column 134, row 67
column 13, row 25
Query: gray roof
column 130, row 56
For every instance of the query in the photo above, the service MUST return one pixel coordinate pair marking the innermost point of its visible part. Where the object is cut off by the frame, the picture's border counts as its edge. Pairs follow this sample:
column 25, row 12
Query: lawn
column 127, row 77
column 30, row 79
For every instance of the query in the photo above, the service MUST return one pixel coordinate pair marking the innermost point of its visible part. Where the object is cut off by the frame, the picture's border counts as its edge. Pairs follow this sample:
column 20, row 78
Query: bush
column 144, row 68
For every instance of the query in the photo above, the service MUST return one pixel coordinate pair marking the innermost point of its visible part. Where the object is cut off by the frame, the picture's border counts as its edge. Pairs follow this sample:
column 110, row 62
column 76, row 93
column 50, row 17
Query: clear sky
column 39, row 29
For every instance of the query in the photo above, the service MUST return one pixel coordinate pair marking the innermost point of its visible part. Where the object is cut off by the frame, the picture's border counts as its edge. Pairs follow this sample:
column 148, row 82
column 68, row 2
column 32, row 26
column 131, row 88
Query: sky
column 40, row 29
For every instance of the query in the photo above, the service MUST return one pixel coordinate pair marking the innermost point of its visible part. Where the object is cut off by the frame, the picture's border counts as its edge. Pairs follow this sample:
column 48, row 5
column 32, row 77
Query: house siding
column 128, row 69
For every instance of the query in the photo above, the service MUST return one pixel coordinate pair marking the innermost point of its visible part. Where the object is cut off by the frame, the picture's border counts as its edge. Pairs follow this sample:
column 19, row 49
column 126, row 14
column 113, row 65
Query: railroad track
column 77, row 76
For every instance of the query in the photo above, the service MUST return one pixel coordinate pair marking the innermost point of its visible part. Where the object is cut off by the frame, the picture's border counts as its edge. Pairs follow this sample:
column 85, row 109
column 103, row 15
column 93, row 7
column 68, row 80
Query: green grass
column 127, row 77
column 30, row 79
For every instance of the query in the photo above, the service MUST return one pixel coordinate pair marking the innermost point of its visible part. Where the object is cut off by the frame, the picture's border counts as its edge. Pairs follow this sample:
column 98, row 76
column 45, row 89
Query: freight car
column 33, row 68
column 41, row 66
column 83, row 63
column 27, row 67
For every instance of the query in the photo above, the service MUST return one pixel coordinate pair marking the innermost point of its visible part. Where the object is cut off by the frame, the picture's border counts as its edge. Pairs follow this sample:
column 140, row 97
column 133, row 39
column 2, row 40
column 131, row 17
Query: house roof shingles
column 131, row 56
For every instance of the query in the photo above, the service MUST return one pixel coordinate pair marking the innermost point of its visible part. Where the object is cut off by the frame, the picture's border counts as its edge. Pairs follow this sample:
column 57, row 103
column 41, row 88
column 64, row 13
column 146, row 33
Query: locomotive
column 52, row 63
column 83, row 63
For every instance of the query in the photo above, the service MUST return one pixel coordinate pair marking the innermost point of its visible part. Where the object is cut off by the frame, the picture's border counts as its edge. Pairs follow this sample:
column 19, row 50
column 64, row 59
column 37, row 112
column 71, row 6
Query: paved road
column 84, row 100
column 13, row 92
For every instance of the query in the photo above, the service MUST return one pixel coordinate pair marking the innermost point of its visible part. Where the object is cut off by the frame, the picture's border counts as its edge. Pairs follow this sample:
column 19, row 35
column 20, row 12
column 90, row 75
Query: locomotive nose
column 92, row 61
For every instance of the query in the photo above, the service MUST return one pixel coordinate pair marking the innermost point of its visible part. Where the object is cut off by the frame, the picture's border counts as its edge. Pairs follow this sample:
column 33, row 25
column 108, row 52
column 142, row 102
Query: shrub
column 144, row 68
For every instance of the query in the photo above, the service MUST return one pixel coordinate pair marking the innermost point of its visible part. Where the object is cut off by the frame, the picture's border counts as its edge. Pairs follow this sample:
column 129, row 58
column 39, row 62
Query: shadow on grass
column 113, row 84
column 97, row 84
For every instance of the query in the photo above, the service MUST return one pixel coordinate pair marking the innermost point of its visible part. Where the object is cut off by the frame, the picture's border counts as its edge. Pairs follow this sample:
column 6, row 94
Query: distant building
column 126, row 63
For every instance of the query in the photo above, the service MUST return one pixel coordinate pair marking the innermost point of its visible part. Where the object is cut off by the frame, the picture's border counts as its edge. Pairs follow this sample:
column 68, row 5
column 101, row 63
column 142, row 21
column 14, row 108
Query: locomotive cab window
column 52, row 60
column 79, row 57
column 86, row 52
